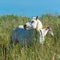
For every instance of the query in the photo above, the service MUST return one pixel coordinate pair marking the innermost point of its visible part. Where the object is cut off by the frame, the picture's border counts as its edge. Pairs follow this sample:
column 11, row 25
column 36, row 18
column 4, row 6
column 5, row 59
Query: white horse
column 22, row 33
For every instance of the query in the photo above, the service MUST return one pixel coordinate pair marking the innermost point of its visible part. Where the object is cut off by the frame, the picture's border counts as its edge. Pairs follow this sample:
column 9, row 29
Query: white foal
column 44, row 32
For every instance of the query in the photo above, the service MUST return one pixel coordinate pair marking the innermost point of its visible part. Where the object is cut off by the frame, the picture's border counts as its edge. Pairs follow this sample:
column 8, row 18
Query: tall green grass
column 49, row 51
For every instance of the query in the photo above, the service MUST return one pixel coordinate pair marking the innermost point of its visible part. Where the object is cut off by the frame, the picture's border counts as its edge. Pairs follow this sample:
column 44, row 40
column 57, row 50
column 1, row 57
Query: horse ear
column 36, row 17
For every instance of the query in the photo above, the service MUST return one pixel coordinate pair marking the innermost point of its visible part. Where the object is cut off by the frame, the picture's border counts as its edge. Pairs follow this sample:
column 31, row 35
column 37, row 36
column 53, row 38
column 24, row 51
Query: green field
column 50, row 49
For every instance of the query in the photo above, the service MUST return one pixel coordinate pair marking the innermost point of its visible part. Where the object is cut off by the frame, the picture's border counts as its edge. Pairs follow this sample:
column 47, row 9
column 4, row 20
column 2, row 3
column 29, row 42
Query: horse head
column 35, row 23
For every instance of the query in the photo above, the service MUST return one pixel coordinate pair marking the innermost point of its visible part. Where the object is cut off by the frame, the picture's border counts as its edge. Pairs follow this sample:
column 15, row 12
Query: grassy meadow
column 50, row 49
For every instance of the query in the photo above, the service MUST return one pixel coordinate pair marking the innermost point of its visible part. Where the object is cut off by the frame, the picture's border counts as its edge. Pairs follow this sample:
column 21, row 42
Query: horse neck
column 39, row 25
column 44, row 31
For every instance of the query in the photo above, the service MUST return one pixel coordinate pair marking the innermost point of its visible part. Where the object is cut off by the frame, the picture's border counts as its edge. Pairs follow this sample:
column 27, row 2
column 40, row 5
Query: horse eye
column 32, row 21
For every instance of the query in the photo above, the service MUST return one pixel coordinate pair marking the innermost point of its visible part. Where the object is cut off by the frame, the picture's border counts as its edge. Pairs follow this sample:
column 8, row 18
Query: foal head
column 49, row 30
column 44, row 32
